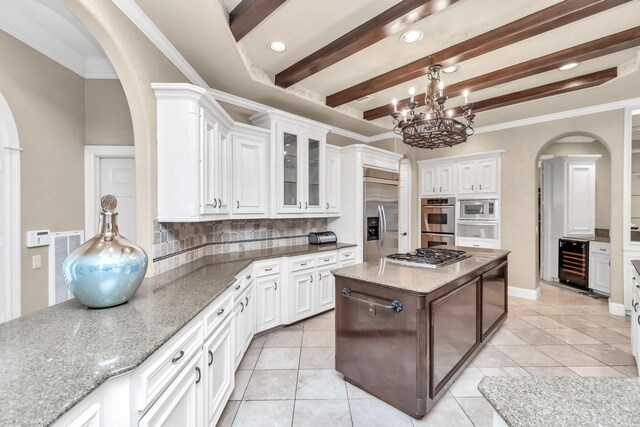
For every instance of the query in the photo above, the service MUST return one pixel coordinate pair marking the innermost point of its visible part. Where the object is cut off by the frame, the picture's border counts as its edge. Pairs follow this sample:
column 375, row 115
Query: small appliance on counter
column 322, row 237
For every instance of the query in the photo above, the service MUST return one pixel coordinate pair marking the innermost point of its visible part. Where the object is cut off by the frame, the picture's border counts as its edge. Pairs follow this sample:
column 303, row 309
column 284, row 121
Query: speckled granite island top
column 53, row 358
column 564, row 401
column 417, row 279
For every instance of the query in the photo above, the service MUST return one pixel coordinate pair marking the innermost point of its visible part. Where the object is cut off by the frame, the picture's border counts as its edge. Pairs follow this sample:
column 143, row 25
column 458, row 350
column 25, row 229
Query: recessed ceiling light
column 450, row 69
column 569, row 66
column 411, row 36
column 277, row 46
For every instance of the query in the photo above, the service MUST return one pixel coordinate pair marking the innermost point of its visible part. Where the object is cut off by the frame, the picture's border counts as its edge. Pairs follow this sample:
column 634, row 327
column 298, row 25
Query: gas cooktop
column 429, row 257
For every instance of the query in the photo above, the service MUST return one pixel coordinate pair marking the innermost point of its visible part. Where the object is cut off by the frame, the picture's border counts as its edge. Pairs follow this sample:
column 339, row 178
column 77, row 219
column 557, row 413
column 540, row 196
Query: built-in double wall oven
column 438, row 221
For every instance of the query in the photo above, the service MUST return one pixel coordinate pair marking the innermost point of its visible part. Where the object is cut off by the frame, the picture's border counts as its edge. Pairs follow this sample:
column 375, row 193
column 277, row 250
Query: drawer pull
column 320, row 277
column 242, row 307
column 210, row 357
column 248, row 276
column 347, row 255
column 175, row 359
column 268, row 269
column 303, row 264
column 275, row 288
column 635, row 307
column 220, row 311
column 237, row 287
column 395, row 305
column 638, row 320
column 199, row 374
column 247, row 303
column 603, row 250
column 327, row 259
column 311, row 278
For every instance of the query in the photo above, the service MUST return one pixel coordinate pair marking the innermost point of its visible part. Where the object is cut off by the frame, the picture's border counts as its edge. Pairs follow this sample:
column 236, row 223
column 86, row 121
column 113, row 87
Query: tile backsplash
column 178, row 243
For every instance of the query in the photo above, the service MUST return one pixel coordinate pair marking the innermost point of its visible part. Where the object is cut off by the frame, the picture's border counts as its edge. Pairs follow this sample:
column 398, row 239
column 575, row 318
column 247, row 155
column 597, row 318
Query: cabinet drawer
column 600, row 247
column 267, row 267
column 328, row 258
column 478, row 243
column 347, row 254
column 217, row 311
column 243, row 280
column 302, row 263
column 160, row 370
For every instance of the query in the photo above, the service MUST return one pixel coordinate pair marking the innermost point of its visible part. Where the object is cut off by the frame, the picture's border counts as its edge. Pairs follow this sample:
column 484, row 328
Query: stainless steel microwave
column 479, row 209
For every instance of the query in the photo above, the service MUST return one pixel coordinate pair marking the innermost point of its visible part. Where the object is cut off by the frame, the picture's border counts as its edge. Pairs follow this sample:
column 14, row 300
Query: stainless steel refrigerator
column 380, row 214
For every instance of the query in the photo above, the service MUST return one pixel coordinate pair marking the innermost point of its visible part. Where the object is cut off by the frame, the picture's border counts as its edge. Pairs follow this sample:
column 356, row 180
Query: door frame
column 10, row 153
column 92, row 156
column 404, row 202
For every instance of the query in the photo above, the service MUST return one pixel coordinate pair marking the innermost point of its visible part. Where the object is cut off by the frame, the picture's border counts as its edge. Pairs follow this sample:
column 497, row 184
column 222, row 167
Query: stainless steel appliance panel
column 438, row 219
column 381, row 202
column 480, row 209
column 481, row 229
column 430, row 240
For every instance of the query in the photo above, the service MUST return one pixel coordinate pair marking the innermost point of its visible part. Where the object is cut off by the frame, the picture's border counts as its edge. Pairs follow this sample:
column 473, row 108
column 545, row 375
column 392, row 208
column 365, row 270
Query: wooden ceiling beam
column 391, row 21
column 249, row 13
column 552, row 17
column 583, row 52
column 538, row 92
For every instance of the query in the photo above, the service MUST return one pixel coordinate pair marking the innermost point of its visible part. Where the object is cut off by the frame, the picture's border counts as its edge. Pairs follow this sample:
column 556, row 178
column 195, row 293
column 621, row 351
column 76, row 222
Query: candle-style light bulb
column 466, row 96
column 412, row 92
column 404, row 113
column 441, row 87
column 395, row 105
column 450, row 113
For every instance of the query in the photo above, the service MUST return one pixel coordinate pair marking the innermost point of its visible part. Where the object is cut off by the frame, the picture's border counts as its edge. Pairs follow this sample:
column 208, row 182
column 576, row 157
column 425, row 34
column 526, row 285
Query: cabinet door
column 238, row 335
column 332, row 189
column 429, row 180
column 290, row 160
column 303, row 295
column 223, row 167
column 494, row 297
column 326, row 288
column 580, row 198
column 446, row 179
column 249, row 175
column 249, row 317
column 181, row 403
column 267, row 303
column 600, row 273
column 487, row 176
column 219, row 371
column 467, row 177
column 314, row 174
column 209, row 159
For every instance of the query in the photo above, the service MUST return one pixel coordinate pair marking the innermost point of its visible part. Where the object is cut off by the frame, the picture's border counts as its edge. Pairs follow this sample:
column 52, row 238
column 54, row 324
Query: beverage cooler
column 573, row 262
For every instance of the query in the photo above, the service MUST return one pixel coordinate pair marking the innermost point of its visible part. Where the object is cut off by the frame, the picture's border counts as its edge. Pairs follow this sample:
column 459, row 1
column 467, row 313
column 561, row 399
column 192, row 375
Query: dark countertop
column 53, row 358
column 564, row 401
column 604, row 239
column 420, row 280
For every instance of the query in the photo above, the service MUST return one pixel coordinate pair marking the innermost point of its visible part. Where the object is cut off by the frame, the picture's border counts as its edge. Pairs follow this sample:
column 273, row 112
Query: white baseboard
column 532, row 294
column 617, row 309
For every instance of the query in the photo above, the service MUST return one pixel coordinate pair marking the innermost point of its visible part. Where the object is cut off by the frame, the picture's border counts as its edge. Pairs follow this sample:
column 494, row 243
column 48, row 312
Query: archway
column 9, row 215
column 579, row 146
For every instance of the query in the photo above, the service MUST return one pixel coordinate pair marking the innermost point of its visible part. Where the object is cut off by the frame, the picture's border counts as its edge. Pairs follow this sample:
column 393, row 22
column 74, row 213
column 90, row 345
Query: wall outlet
column 36, row 261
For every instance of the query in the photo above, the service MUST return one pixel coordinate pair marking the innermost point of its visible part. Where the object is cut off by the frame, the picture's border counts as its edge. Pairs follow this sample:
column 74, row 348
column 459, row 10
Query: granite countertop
column 604, row 239
column 420, row 280
column 54, row 357
column 564, row 401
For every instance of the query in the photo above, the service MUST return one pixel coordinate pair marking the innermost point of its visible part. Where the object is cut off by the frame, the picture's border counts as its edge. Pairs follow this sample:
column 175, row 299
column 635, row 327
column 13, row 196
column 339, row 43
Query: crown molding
column 140, row 19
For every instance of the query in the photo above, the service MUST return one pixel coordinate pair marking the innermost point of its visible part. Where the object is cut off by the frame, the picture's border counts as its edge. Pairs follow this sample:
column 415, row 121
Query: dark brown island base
column 404, row 334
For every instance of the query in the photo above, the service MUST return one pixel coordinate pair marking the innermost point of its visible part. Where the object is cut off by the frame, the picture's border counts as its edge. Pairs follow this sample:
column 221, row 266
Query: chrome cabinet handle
column 638, row 320
column 220, row 202
column 327, row 206
column 199, row 374
column 220, row 311
column 215, row 203
column 306, row 205
column 603, row 250
column 237, row 287
column 237, row 204
column 395, row 305
column 480, row 186
column 248, row 276
column 472, row 186
column 299, row 205
column 175, row 359
column 268, row 269
column 210, row 358
column 440, row 190
column 403, row 234
column 327, row 259
column 434, row 189
column 635, row 307
column 311, row 278
column 276, row 286
column 303, row 264
column 320, row 277
column 242, row 309
column 247, row 303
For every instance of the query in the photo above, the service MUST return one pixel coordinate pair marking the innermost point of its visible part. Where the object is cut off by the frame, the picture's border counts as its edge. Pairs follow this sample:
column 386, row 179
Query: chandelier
column 432, row 128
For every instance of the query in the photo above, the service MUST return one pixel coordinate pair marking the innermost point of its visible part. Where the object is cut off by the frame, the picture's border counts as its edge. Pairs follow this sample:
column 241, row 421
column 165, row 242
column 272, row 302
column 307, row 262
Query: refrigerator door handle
column 384, row 224
column 380, row 231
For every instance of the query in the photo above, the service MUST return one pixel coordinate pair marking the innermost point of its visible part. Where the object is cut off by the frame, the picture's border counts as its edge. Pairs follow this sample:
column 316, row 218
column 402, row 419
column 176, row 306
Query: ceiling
column 248, row 67
column 48, row 27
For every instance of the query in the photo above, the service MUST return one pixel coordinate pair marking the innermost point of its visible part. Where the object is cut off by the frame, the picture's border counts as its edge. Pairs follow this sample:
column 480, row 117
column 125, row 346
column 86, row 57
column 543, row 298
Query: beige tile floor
column 287, row 378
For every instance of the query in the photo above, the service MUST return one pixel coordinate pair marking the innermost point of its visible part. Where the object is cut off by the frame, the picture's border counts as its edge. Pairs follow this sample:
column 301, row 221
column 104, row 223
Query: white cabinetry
column 219, row 366
column 332, row 179
column 250, row 170
column 302, row 293
column 326, row 288
column 438, row 179
column 312, row 284
column 193, row 154
column 298, row 155
column 268, row 290
column 635, row 313
column 478, row 176
column 244, row 313
column 600, row 267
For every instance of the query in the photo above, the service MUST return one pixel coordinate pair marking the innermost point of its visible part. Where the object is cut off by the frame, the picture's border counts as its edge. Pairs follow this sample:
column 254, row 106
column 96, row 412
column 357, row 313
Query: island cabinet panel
column 454, row 332
column 494, row 298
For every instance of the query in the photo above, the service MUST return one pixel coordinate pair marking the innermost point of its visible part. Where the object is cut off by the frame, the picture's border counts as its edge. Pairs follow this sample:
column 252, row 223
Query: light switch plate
column 36, row 261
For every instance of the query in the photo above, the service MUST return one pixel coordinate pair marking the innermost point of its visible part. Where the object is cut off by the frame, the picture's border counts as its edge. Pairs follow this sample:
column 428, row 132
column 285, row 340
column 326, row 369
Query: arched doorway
column 9, row 215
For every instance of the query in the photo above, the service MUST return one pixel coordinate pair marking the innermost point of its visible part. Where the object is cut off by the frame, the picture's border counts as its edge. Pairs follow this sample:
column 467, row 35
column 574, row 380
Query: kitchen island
column 405, row 333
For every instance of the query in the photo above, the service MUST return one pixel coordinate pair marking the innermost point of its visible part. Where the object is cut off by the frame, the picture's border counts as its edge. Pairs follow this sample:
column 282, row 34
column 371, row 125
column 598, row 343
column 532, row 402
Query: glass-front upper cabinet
column 314, row 168
column 290, row 180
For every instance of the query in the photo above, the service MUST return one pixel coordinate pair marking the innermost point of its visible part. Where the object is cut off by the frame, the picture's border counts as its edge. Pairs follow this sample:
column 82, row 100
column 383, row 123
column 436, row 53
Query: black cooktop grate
column 430, row 256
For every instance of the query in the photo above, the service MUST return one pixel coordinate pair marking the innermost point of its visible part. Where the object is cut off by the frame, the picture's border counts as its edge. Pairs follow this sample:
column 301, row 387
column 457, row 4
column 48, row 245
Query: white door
column 326, row 288
column 118, row 177
column 581, row 204
column 218, row 372
column 404, row 210
column 267, row 303
column 313, row 173
column 429, row 181
column 332, row 190
column 181, row 404
column 209, row 159
column 249, row 183
column 238, row 340
column 487, row 175
column 290, row 152
column 467, row 177
column 303, row 300
column 446, row 179
column 249, row 317
column 600, row 273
